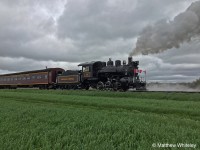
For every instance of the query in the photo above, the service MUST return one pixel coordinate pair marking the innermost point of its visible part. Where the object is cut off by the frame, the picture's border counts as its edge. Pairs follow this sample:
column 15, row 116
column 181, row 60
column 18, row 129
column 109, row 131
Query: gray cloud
column 85, row 19
column 35, row 34
column 24, row 64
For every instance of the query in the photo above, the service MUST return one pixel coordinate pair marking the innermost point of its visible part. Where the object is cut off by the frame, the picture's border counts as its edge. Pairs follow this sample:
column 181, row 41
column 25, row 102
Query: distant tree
column 195, row 83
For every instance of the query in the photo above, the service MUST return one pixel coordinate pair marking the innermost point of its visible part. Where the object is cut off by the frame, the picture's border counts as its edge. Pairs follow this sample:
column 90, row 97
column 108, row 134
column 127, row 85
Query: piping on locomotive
column 96, row 74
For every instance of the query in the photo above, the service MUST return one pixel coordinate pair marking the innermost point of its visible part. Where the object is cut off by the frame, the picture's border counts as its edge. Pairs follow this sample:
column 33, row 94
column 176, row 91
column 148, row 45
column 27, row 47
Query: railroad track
column 169, row 91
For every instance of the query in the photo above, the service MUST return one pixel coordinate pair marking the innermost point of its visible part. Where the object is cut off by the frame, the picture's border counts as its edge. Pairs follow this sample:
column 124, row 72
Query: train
column 100, row 75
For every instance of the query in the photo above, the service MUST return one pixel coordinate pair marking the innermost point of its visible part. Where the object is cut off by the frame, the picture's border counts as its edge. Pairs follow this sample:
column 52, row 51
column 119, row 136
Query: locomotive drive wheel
column 87, row 87
column 115, row 86
column 100, row 85
column 108, row 86
column 125, row 88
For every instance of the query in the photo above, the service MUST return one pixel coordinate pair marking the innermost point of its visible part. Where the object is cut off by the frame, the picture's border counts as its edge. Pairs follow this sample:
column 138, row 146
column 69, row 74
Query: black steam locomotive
column 96, row 74
column 102, row 76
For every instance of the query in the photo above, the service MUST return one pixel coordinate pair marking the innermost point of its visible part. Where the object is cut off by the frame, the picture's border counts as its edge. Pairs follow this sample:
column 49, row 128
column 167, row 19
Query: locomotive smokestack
column 110, row 62
column 130, row 59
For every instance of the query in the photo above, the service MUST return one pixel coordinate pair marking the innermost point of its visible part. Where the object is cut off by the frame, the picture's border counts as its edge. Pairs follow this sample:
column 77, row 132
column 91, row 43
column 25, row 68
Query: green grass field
column 55, row 119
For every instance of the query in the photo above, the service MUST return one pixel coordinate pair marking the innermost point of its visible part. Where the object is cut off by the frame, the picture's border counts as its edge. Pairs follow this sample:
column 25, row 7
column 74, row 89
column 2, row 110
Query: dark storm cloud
column 83, row 19
column 90, row 28
column 98, row 27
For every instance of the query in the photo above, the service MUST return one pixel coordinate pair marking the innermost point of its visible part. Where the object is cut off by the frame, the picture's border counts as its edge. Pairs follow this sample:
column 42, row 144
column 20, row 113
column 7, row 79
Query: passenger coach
column 45, row 78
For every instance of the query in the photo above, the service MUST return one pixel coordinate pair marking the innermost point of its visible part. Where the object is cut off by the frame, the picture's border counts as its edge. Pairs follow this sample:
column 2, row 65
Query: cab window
column 86, row 69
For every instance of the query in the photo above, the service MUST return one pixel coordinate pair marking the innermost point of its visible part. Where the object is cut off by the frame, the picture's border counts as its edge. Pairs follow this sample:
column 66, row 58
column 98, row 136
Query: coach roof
column 33, row 71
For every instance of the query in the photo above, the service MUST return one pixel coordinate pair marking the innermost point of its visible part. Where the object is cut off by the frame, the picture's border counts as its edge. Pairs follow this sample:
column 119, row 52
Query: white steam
column 165, row 35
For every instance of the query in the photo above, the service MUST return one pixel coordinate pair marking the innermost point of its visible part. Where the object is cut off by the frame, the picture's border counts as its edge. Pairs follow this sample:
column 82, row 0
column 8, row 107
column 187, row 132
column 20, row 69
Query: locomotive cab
column 89, row 75
column 90, row 69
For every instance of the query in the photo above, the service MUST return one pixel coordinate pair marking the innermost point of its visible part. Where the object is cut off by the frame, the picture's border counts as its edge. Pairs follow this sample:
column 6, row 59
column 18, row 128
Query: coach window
column 33, row 77
column 59, row 72
column 39, row 77
column 45, row 76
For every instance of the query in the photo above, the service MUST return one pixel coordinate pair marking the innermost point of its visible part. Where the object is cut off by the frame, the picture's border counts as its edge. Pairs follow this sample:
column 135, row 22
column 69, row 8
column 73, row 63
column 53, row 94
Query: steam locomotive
column 103, row 76
column 96, row 74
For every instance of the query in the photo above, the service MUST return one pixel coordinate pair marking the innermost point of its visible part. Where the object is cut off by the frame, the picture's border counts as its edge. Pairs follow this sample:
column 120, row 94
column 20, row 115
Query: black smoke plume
column 165, row 35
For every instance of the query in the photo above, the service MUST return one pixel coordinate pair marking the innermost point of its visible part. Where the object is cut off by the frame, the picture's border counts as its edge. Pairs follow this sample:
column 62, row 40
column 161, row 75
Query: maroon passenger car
column 45, row 78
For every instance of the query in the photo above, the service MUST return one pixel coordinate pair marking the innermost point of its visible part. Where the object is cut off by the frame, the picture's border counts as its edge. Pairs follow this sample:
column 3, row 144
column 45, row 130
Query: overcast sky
column 63, row 33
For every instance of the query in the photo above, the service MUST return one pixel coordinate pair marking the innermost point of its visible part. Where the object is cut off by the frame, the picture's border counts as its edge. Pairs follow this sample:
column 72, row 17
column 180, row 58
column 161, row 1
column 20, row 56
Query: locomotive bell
column 124, row 62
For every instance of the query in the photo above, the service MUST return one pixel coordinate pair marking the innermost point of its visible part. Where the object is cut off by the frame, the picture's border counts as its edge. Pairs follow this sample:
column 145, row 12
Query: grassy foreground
column 42, row 119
